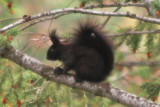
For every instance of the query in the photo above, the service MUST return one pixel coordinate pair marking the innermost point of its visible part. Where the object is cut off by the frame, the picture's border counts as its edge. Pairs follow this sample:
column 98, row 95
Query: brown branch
column 101, row 89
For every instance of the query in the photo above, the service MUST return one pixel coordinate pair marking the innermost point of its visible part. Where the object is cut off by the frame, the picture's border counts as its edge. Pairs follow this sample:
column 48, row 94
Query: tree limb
column 101, row 89
column 83, row 11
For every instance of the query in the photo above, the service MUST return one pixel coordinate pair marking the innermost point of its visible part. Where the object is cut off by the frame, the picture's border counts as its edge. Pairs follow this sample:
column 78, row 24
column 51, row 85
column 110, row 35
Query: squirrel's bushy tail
column 90, row 34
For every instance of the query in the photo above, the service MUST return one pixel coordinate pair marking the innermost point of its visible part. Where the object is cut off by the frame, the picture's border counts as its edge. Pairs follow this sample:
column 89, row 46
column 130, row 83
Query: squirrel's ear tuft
column 54, row 38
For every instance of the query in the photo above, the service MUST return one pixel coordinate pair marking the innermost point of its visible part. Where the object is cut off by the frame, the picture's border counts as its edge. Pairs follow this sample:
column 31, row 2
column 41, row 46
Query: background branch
column 152, row 64
column 42, row 20
column 108, row 18
column 135, row 33
column 83, row 11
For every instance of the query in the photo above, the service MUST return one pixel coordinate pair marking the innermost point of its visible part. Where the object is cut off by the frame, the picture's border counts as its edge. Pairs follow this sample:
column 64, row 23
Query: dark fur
column 89, row 54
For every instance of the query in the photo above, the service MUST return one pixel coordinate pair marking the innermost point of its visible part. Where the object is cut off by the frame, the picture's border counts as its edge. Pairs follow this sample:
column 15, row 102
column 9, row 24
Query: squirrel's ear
column 54, row 38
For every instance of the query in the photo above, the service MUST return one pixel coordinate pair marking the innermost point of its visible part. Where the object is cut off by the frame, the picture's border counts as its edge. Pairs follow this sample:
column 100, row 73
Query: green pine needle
column 151, row 88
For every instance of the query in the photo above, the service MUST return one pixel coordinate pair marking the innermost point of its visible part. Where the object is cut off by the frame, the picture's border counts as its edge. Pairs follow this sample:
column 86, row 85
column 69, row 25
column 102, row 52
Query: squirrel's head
column 54, row 51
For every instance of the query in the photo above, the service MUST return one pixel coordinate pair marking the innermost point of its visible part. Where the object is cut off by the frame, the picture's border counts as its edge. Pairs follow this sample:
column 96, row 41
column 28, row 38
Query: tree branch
column 42, row 20
column 135, row 33
column 83, row 11
column 117, row 5
column 101, row 89
column 128, row 64
column 109, row 17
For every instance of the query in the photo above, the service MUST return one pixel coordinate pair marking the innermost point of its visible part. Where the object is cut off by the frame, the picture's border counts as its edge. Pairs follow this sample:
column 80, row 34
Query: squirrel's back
column 90, row 53
column 90, row 34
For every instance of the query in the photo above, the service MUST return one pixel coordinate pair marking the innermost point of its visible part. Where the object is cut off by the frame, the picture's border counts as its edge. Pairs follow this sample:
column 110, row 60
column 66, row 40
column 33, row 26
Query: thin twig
column 33, row 33
column 9, row 19
column 40, row 90
column 106, row 21
column 69, row 3
column 41, row 20
column 37, row 80
column 32, row 89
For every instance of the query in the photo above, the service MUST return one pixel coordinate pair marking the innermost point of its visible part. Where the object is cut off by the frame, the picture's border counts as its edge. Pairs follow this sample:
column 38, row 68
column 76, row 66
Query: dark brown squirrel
column 89, row 54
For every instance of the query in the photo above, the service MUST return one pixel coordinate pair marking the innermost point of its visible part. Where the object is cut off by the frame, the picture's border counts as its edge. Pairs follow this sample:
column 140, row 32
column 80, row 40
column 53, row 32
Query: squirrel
column 89, row 54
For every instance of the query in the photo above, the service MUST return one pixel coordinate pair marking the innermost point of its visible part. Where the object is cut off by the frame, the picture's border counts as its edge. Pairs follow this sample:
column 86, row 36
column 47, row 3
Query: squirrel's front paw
column 58, row 71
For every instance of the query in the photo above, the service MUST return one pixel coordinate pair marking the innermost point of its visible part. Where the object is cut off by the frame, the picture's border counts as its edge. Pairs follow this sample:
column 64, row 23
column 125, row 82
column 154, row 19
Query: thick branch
column 101, row 89
column 83, row 11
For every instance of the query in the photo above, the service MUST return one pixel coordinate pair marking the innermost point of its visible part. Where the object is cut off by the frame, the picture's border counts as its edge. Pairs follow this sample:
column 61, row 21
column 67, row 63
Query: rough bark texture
column 101, row 89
